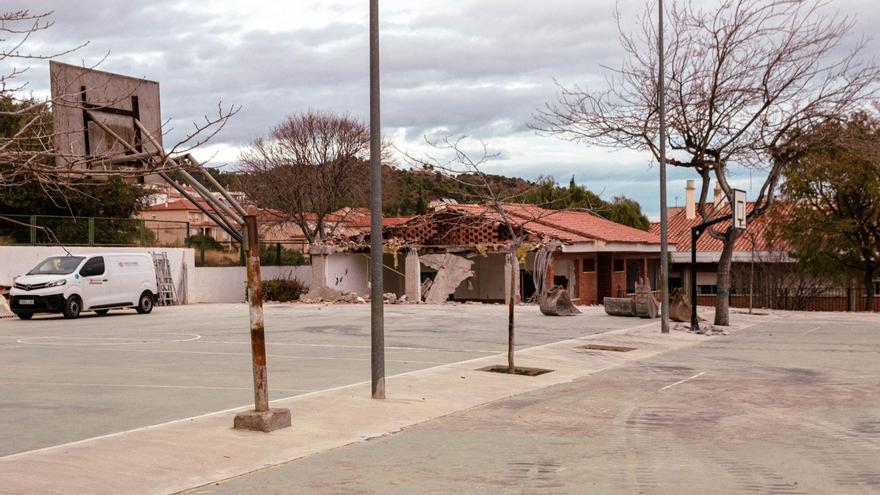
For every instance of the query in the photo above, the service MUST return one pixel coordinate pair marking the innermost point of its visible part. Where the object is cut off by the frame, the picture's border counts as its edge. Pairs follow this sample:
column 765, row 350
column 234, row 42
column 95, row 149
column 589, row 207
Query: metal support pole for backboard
column 377, row 316
column 262, row 418
column 696, row 232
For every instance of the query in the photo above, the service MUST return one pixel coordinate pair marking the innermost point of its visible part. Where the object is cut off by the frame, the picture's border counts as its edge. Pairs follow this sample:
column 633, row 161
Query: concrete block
column 619, row 306
column 271, row 420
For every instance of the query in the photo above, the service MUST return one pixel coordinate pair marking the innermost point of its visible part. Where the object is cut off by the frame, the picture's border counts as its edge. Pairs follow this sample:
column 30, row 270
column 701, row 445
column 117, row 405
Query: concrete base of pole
column 271, row 420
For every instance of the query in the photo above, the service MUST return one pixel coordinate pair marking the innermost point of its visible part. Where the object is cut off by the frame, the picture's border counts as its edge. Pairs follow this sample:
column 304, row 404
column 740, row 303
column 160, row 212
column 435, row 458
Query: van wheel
column 145, row 303
column 101, row 312
column 25, row 316
column 72, row 307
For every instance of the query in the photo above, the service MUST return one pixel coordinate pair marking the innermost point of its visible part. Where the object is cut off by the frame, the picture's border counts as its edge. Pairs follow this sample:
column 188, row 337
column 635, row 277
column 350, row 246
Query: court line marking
column 349, row 346
column 140, row 341
column 685, row 380
column 812, row 330
column 308, row 394
column 278, row 356
column 136, row 385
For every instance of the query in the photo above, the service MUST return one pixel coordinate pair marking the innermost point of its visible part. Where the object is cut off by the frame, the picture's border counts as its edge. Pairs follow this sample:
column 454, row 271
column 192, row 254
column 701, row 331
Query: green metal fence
column 42, row 230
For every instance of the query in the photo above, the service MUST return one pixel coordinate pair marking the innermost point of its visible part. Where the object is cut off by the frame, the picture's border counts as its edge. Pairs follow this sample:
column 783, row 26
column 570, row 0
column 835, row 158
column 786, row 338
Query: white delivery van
column 95, row 282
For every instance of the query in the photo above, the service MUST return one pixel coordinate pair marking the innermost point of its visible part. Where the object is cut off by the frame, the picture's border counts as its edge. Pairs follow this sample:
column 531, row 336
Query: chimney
column 690, row 208
column 719, row 195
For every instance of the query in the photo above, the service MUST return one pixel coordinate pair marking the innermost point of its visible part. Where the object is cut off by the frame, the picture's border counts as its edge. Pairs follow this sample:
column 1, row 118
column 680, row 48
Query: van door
column 95, row 283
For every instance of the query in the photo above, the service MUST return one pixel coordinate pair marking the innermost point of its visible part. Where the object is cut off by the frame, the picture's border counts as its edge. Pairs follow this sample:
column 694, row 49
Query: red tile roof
column 757, row 230
column 570, row 227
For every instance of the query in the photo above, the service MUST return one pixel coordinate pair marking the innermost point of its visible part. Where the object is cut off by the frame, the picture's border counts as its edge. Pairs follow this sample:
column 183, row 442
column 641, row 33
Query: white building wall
column 348, row 272
column 228, row 284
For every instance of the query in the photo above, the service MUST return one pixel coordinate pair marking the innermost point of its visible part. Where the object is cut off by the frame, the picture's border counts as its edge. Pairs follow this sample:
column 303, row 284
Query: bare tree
column 28, row 151
column 744, row 79
column 311, row 165
column 468, row 169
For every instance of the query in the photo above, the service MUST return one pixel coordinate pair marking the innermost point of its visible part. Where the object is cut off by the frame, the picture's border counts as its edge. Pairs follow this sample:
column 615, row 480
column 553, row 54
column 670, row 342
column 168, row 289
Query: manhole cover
column 612, row 348
column 517, row 370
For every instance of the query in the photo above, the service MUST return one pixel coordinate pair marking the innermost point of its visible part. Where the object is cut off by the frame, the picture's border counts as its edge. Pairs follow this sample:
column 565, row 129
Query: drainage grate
column 612, row 348
column 518, row 370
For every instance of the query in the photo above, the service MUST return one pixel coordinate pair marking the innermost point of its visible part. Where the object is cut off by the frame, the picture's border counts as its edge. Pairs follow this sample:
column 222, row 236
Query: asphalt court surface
column 67, row 380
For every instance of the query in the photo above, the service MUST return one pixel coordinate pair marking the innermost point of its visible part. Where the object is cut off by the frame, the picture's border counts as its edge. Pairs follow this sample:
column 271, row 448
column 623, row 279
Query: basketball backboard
column 81, row 95
column 739, row 209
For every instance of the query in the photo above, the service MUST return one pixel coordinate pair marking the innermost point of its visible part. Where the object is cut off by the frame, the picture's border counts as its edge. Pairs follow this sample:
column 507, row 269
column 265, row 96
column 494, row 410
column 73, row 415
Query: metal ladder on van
column 164, row 282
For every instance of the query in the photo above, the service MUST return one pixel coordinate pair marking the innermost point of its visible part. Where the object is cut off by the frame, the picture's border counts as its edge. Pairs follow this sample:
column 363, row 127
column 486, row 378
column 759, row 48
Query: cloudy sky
column 474, row 67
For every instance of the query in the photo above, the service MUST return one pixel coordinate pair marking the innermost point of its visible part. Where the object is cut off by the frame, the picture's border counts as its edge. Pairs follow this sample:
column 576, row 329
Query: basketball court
column 69, row 380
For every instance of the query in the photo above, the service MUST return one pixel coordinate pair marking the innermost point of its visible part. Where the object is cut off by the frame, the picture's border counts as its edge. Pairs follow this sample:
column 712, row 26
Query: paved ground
column 63, row 381
column 790, row 406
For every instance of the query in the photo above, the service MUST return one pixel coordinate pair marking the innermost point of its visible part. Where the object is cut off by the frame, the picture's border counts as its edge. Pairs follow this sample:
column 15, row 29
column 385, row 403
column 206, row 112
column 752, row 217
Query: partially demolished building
column 464, row 252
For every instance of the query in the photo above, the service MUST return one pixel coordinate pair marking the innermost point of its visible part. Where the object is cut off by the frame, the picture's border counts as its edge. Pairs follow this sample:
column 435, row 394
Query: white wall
column 18, row 260
column 227, row 284
column 348, row 272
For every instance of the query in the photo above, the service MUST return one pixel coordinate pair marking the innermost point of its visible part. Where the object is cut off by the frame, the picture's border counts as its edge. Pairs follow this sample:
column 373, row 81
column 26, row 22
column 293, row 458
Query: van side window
column 93, row 267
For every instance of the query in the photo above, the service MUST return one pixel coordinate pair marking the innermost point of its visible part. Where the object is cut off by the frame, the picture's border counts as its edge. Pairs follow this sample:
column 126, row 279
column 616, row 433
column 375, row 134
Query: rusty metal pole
column 377, row 310
column 255, row 305
column 261, row 418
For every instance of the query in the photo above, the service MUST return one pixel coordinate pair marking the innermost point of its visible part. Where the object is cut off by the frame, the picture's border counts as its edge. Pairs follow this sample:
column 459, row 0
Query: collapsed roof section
column 489, row 226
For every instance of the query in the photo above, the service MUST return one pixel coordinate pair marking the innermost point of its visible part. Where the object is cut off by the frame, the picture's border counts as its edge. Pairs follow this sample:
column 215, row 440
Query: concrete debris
column 452, row 270
column 390, row 297
column 646, row 305
column 426, row 286
column 705, row 329
column 619, row 306
column 329, row 295
column 361, row 300
column 679, row 306
column 5, row 312
column 557, row 303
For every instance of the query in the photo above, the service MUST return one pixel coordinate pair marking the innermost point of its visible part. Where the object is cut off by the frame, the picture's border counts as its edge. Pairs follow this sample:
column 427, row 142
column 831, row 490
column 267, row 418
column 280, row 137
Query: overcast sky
column 475, row 67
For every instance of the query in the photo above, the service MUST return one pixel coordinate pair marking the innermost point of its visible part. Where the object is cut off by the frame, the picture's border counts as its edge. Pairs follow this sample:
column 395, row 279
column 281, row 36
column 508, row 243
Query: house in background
column 763, row 273
column 592, row 257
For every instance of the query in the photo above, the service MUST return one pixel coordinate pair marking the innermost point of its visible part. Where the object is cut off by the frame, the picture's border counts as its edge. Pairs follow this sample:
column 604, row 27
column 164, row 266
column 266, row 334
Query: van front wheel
column 72, row 307
column 145, row 303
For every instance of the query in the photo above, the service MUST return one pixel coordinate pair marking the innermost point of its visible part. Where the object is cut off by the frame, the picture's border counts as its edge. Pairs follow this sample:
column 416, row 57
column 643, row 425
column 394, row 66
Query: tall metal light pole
column 664, row 220
column 377, row 310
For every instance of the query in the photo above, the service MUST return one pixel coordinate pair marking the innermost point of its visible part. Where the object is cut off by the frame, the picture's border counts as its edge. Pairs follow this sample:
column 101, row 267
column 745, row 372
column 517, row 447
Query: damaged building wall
column 452, row 270
column 487, row 284
column 347, row 272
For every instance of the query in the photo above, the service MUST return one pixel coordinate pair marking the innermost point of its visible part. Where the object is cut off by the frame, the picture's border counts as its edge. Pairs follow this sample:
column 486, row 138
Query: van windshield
column 57, row 265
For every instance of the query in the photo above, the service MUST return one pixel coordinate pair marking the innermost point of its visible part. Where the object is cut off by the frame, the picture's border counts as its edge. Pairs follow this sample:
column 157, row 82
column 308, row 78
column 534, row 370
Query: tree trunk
column 722, row 297
column 869, row 290
column 510, row 305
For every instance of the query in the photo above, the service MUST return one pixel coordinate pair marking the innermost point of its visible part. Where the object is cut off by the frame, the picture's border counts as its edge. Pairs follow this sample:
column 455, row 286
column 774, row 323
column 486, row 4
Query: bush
column 283, row 290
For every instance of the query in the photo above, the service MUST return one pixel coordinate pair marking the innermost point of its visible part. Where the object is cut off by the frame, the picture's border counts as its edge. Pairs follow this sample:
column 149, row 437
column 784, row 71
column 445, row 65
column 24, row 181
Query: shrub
column 283, row 290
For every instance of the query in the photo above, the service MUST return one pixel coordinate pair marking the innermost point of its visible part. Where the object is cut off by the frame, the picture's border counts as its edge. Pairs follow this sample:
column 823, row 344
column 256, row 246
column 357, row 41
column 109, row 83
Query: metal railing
column 49, row 230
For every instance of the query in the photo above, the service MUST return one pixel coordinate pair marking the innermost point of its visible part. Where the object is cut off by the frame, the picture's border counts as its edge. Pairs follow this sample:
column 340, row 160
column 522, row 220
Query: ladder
column 164, row 282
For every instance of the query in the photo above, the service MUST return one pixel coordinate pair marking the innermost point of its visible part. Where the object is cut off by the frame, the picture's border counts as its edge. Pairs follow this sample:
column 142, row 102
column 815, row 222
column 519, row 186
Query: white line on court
column 348, row 346
column 811, row 330
column 136, row 385
column 125, row 340
column 685, row 380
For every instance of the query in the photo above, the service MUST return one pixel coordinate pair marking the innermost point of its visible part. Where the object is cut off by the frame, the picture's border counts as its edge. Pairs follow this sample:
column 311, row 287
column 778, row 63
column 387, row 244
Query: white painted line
column 138, row 385
column 685, row 380
column 811, row 330
column 125, row 340
column 346, row 346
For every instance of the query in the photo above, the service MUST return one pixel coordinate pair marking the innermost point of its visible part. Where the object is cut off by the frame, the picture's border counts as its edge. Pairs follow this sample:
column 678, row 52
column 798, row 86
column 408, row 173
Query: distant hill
column 408, row 192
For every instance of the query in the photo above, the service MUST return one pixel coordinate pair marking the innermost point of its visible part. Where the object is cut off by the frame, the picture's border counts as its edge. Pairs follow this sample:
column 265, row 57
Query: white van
column 98, row 282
